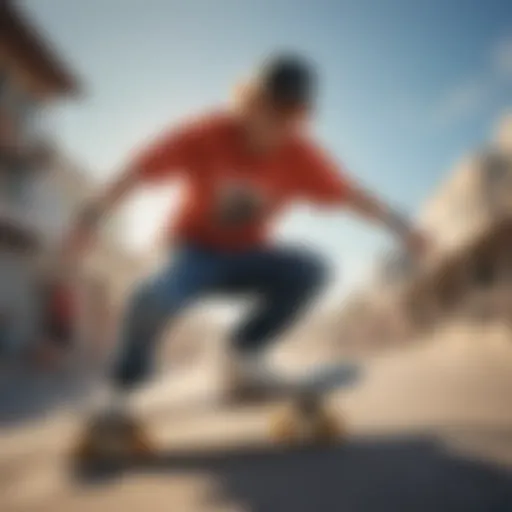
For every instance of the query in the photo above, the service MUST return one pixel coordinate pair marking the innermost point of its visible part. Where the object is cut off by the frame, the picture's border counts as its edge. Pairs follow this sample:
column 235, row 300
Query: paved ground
column 27, row 395
column 430, row 430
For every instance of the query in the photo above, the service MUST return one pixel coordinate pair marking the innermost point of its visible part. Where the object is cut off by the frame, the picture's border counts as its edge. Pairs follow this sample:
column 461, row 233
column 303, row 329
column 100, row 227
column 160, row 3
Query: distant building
column 32, row 78
column 110, row 269
column 468, row 274
column 471, row 220
column 41, row 188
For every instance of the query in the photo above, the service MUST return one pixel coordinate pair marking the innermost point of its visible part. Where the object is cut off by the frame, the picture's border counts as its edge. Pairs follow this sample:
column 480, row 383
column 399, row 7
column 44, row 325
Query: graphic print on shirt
column 239, row 202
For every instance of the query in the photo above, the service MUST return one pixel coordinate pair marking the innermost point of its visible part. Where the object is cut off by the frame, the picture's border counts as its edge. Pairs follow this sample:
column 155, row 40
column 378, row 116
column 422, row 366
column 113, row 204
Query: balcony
column 17, row 217
column 23, row 147
column 16, row 230
column 497, row 184
column 21, row 157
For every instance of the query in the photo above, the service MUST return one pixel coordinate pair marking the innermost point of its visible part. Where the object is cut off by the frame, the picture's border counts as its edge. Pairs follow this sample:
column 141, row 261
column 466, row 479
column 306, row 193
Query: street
column 429, row 429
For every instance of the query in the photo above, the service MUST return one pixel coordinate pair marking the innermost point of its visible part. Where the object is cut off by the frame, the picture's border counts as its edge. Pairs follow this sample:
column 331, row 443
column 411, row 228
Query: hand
column 81, row 235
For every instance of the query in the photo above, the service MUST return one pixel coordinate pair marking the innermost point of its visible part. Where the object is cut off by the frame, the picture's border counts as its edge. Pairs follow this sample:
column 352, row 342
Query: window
column 26, row 107
column 497, row 179
column 21, row 108
column 484, row 273
column 4, row 91
column 497, row 168
column 15, row 186
column 3, row 81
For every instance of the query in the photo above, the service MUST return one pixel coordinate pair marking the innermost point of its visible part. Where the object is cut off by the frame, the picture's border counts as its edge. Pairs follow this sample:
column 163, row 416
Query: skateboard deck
column 295, row 414
column 325, row 379
column 306, row 416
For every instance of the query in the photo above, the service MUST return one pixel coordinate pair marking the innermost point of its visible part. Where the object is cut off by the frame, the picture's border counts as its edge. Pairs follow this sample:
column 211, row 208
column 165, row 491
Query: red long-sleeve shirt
column 211, row 154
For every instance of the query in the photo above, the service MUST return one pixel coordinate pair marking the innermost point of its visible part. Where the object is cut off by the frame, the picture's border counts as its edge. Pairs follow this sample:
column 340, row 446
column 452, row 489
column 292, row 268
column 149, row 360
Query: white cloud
column 502, row 58
column 472, row 95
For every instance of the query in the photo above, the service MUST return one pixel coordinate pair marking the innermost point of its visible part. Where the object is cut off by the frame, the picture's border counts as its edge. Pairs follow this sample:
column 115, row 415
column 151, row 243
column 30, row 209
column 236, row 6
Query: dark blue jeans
column 284, row 279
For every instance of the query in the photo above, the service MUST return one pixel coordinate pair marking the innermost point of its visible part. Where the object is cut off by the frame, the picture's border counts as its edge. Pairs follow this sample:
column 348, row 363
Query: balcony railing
column 16, row 228
column 18, row 218
column 22, row 147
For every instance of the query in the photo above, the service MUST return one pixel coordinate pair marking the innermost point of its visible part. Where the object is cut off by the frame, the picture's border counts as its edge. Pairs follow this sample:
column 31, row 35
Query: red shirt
column 211, row 153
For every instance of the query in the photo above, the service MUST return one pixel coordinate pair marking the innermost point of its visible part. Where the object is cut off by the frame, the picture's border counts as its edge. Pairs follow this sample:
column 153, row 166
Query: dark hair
column 289, row 80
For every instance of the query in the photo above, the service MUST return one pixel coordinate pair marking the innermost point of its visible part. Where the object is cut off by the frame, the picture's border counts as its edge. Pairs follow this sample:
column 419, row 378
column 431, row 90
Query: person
column 58, row 319
column 241, row 166
column 62, row 314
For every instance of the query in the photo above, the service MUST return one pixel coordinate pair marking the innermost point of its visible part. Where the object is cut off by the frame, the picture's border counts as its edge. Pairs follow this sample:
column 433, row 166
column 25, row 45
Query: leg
column 287, row 280
column 153, row 304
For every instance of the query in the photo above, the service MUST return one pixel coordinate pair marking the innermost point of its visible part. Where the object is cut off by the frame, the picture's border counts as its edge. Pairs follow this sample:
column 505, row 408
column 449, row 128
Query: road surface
column 430, row 429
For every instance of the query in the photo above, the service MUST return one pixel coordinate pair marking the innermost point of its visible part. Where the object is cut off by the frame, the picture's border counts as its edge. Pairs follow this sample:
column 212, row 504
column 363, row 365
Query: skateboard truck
column 308, row 404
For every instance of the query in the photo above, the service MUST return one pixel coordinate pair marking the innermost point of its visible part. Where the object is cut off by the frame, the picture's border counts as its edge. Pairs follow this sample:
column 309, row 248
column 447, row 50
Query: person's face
column 272, row 126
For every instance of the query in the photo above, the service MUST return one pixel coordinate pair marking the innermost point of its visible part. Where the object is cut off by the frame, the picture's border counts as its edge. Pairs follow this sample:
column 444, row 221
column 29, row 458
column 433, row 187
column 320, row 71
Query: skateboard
column 302, row 417
column 306, row 417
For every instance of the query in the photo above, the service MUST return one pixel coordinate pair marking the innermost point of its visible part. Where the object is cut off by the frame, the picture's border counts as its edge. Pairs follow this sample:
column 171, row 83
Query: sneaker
column 112, row 433
column 249, row 378
column 109, row 404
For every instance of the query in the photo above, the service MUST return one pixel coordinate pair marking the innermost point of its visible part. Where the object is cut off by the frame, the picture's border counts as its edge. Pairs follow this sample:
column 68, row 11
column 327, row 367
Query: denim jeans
column 283, row 279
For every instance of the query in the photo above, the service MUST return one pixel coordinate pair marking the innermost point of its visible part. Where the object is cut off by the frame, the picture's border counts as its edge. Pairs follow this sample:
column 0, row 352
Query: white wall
column 460, row 207
column 51, row 196
column 56, row 193
column 18, row 298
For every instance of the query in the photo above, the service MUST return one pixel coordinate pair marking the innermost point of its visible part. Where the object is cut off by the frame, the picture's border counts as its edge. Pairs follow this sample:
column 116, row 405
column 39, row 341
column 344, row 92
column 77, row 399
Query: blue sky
column 407, row 87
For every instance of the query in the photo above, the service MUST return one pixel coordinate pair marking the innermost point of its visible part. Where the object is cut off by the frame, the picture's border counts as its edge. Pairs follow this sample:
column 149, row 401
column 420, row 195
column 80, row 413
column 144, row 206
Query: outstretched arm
column 100, row 206
column 157, row 162
column 368, row 206
column 325, row 182
column 160, row 160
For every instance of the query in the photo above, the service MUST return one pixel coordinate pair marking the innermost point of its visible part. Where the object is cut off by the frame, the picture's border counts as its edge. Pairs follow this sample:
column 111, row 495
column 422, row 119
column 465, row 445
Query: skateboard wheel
column 328, row 429
column 120, row 440
column 285, row 428
column 84, row 451
column 292, row 426
column 141, row 445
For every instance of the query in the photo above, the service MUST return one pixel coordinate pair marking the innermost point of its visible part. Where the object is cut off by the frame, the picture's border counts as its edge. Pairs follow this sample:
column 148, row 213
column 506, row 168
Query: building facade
column 471, row 220
column 40, row 189
column 32, row 79
column 468, row 274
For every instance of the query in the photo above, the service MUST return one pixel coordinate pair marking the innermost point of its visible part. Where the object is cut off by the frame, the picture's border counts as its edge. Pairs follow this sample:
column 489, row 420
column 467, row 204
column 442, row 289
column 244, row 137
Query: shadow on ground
column 27, row 395
column 413, row 475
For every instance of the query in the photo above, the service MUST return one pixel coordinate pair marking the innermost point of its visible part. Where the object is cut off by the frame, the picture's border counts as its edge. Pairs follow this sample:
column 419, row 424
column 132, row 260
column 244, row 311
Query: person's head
column 279, row 101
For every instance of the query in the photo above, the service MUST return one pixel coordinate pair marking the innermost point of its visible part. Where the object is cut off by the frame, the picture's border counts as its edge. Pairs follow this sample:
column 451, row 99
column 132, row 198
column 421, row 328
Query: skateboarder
column 241, row 167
